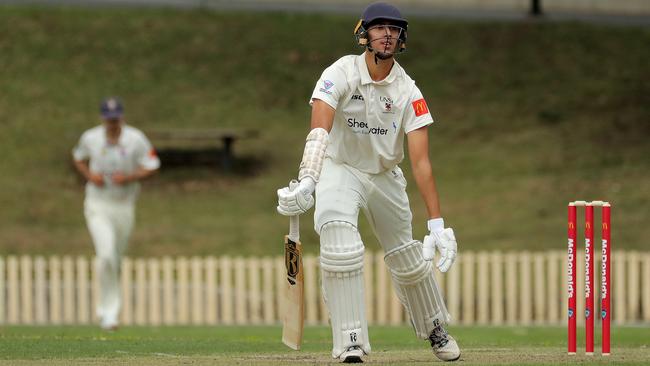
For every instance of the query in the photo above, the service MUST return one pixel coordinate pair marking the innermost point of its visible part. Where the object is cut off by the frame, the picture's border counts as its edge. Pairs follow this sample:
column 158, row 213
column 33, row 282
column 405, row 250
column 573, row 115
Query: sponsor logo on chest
column 361, row 127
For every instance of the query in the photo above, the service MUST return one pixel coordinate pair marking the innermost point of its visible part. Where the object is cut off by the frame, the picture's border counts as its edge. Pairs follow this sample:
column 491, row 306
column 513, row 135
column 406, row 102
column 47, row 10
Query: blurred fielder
column 362, row 107
column 113, row 158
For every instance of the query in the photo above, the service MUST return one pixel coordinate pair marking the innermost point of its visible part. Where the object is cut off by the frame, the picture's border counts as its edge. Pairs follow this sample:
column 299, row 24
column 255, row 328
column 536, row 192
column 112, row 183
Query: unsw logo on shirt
column 420, row 107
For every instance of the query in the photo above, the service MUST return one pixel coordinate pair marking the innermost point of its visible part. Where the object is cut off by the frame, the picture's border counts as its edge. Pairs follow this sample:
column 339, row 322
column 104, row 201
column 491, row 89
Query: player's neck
column 378, row 68
column 113, row 133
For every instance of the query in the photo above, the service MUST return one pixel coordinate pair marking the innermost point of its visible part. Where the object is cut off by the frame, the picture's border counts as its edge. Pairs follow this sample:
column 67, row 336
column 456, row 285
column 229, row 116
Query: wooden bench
column 183, row 145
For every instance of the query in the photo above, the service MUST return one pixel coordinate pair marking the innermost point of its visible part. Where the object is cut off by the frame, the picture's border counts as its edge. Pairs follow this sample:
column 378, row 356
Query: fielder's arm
column 83, row 169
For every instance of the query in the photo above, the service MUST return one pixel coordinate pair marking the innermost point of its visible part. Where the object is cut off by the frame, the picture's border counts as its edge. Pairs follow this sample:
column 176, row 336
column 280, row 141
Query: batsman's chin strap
column 374, row 54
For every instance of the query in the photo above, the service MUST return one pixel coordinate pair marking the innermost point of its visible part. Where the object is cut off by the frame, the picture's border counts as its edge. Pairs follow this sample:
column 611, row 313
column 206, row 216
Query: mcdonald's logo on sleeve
column 420, row 107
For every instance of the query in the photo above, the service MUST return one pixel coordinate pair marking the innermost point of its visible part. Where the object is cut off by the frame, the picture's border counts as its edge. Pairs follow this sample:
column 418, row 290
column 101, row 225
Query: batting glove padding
column 296, row 201
column 442, row 239
column 312, row 157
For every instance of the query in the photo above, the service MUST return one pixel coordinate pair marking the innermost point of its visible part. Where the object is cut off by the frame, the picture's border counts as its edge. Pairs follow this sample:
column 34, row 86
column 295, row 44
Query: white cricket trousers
column 343, row 191
column 110, row 225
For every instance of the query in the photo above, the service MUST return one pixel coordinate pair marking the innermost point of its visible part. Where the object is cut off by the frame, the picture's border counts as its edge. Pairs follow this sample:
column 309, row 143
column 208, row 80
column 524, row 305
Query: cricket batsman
column 362, row 107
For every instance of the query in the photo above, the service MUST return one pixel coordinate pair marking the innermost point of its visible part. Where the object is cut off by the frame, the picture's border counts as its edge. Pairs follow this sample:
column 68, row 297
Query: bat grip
column 294, row 228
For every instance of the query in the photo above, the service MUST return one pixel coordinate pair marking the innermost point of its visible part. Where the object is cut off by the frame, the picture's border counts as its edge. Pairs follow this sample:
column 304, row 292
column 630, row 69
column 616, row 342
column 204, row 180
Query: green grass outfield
column 229, row 345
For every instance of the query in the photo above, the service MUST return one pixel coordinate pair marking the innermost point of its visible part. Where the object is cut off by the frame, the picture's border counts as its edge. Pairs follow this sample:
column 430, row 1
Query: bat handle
column 294, row 221
column 294, row 228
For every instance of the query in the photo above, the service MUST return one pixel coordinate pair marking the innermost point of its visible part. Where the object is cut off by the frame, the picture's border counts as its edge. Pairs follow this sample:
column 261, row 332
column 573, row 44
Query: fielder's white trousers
column 110, row 225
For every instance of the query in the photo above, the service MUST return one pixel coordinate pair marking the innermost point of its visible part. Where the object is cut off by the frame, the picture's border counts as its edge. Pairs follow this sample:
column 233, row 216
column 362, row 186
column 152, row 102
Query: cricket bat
column 293, row 321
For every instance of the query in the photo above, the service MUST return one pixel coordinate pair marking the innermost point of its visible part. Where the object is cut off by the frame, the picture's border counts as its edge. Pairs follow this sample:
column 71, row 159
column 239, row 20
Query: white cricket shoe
column 444, row 346
column 352, row 355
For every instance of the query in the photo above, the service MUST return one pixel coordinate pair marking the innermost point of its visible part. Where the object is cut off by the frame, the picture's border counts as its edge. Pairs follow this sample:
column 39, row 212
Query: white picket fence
column 512, row 288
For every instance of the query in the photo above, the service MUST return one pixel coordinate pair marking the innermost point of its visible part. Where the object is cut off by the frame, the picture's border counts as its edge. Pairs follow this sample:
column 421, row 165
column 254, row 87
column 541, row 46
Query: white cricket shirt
column 133, row 150
column 371, row 117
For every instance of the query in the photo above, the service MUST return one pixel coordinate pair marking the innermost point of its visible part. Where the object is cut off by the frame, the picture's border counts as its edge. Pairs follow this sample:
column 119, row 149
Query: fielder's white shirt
column 371, row 117
column 133, row 150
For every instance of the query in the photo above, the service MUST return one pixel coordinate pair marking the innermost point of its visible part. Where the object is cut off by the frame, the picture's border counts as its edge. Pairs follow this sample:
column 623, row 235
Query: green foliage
column 530, row 115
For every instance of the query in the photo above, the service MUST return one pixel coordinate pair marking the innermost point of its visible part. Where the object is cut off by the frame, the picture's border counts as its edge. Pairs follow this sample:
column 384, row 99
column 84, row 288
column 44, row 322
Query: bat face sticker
column 291, row 261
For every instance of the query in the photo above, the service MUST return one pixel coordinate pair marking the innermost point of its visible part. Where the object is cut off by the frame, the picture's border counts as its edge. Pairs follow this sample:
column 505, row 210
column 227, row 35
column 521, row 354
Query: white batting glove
column 296, row 200
column 444, row 240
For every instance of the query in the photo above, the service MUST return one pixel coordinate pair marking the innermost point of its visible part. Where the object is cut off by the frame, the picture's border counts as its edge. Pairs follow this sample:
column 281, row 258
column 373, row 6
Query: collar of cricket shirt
column 365, row 75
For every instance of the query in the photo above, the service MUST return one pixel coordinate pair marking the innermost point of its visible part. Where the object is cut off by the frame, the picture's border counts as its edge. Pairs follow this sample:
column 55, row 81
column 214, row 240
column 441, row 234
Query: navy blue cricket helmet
column 376, row 13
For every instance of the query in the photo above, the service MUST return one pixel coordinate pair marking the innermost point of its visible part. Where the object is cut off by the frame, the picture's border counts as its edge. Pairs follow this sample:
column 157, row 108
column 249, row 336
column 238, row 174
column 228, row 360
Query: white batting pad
column 416, row 287
column 341, row 260
column 312, row 157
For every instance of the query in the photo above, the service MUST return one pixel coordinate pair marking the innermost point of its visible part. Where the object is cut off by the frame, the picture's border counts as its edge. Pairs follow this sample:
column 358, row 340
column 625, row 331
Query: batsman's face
column 384, row 37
